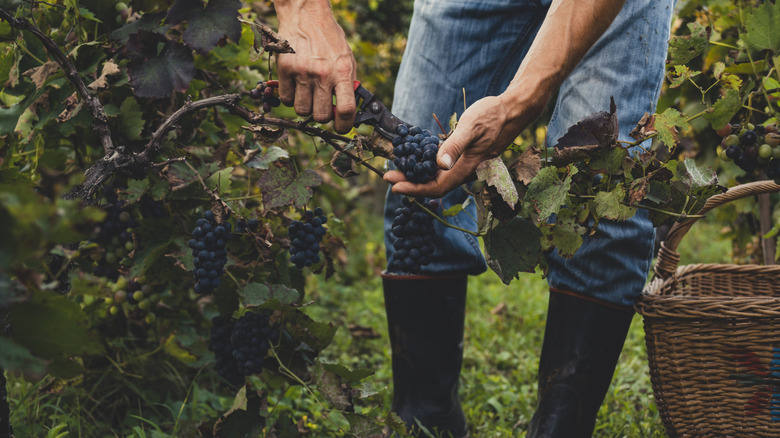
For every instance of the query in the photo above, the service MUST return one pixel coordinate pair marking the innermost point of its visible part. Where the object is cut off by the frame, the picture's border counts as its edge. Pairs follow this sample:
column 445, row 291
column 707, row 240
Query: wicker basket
column 713, row 339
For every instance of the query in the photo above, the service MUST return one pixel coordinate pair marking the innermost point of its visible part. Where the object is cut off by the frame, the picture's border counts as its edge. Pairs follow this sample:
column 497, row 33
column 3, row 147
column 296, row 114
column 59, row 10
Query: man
column 511, row 56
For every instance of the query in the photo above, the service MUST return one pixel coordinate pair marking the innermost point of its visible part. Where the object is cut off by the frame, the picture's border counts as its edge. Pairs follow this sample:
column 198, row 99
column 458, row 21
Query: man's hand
column 322, row 66
column 487, row 127
column 484, row 131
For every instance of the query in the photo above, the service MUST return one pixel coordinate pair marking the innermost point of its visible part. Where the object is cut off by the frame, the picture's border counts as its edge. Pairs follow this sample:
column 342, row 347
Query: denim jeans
column 477, row 45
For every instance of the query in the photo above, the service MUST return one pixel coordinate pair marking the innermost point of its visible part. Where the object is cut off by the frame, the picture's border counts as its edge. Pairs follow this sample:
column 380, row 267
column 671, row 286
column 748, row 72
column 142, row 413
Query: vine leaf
column 131, row 123
column 206, row 26
column 159, row 66
column 513, row 247
column 343, row 165
column 40, row 74
column 680, row 74
column 547, row 193
column 495, row 173
column 257, row 294
column 596, row 131
column 281, row 186
column 610, row 204
column 761, row 27
column 149, row 22
column 565, row 234
column 17, row 358
column 110, row 68
column 362, row 425
column 526, row 166
column 52, row 326
column 667, row 123
column 269, row 155
column 724, row 109
column 246, row 417
column 683, row 48
column 332, row 387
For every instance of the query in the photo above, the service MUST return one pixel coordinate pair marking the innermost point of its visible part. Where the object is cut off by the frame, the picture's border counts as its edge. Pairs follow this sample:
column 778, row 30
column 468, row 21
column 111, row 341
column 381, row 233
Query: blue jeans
column 477, row 45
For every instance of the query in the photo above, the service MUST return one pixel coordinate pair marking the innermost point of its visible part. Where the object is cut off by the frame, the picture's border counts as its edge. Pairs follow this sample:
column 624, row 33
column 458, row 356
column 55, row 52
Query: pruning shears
column 371, row 111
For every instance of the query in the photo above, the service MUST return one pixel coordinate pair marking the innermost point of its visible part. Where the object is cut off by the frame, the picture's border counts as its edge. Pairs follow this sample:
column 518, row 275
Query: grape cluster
column 413, row 231
column 136, row 300
column 208, row 250
column 415, row 152
column 219, row 344
column 266, row 93
column 305, row 236
column 751, row 147
column 114, row 235
column 240, row 346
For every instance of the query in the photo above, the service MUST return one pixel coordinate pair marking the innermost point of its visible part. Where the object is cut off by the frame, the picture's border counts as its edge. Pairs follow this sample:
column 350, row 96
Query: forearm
column 290, row 10
column 567, row 33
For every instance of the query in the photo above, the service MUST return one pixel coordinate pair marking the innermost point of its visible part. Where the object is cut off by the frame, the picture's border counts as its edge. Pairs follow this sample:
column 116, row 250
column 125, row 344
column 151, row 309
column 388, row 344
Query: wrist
column 291, row 10
column 526, row 97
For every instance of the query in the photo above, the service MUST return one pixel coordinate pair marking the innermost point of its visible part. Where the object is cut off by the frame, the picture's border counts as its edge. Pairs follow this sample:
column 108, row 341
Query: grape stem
column 445, row 223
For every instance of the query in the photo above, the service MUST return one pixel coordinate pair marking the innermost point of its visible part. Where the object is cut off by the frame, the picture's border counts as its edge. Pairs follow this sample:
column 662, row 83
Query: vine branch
column 100, row 122
column 155, row 142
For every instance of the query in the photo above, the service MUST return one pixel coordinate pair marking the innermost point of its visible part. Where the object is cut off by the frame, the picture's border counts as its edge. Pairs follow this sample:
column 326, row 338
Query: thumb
column 453, row 147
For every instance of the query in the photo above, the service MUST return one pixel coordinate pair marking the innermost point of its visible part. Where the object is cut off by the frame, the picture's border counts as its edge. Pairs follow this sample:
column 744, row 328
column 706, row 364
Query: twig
column 167, row 162
column 154, row 144
column 329, row 137
column 100, row 122
column 272, row 42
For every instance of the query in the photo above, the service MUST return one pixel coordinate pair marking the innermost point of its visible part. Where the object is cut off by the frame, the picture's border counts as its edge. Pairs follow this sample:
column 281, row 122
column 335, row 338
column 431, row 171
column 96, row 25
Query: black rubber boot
column 582, row 343
column 425, row 317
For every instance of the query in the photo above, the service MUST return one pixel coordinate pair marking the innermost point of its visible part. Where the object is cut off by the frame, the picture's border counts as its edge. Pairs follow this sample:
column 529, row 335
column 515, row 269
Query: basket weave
column 713, row 339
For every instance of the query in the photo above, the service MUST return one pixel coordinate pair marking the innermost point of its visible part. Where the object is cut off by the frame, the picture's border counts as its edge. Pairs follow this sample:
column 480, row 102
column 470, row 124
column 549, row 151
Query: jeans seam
column 521, row 39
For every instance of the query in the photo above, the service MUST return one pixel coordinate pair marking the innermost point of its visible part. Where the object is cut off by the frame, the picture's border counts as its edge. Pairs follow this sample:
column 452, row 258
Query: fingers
column 445, row 180
column 345, row 106
column 453, row 147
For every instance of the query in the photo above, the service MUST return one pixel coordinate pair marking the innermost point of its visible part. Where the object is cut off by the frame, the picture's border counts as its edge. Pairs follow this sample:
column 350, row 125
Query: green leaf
column 761, row 27
column 609, row 161
column 52, row 326
column 330, row 385
column 363, row 426
column 131, row 121
column 206, row 26
column 495, row 173
column 345, row 373
column 220, row 180
column 263, row 160
column 667, row 123
column 610, row 205
column 724, row 109
column 682, row 49
column 256, row 294
column 547, row 193
column 282, row 186
column 14, row 357
column 513, row 247
column 149, row 22
column 680, row 74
